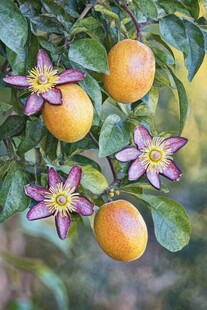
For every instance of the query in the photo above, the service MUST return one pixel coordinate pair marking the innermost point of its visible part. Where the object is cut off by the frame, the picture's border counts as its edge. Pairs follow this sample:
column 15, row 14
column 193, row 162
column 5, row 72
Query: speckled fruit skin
column 121, row 230
column 71, row 121
column 132, row 71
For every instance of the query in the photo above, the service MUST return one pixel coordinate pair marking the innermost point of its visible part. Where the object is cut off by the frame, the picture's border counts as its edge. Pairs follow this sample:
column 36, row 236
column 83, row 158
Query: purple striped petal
column 33, row 105
column 74, row 177
column 141, row 137
column 17, row 80
column 154, row 178
column 54, row 178
column 39, row 211
column 70, row 76
column 130, row 153
column 83, row 206
column 43, row 60
column 172, row 172
column 62, row 225
column 53, row 96
column 136, row 170
column 175, row 143
column 35, row 192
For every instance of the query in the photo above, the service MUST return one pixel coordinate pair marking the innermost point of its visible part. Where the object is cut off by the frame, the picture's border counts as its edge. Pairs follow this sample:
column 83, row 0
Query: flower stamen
column 61, row 200
column 42, row 80
column 155, row 156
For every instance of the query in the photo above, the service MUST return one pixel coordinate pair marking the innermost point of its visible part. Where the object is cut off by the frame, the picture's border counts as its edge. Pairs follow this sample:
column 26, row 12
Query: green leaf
column 12, row 196
column 12, row 126
column 35, row 131
column 173, row 32
column 13, row 26
column 148, row 7
column 49, row 145
column 171, row 222
column 45, row 274
column 4, row 107
column 151, row 99
column 193, row 7
column 160, row 79
column 100, row 8
column 92, row 179
column 196, row 52
column 90, row 54
column 85, row 25
column 58, row 11
column 71, row 149
column 17, row 60
column 91, row 86
column 173, row 6
column 114, row 135
column 163, row 55
column 46, row 24
column 183, row 100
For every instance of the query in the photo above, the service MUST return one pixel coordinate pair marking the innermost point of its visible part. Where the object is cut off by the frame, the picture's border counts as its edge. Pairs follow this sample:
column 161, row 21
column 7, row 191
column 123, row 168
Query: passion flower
column 153, row 156
column 59, row 200
column 42, row 81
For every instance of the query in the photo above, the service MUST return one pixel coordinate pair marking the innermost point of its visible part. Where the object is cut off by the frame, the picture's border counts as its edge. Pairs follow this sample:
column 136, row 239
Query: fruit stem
column 88, row 7
column 136, row 24
column 116, row 180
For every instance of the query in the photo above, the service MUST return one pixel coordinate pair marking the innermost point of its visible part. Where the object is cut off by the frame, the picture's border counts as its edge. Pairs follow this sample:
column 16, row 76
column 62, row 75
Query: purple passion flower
column 60, row 200
column 41, row 81
column 153, row 156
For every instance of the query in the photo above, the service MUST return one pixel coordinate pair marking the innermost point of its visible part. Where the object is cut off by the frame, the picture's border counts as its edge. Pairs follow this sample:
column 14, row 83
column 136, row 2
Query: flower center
column 61, row 200
column 43, row 80
column 155, row 156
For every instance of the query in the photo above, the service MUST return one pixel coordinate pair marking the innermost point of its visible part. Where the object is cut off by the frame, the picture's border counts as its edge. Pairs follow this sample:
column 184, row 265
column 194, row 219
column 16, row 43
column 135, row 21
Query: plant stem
column 136, row 24
column 116, row 180
column 88, row 7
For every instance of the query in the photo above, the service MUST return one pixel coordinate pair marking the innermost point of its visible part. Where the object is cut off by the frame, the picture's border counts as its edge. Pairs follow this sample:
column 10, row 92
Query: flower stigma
column 43, row 80
column 155, row 156
column 61, row 200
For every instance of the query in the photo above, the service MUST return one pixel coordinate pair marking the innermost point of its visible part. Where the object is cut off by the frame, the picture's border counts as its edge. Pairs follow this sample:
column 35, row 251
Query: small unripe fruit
column 121, row 230
column 132, row 71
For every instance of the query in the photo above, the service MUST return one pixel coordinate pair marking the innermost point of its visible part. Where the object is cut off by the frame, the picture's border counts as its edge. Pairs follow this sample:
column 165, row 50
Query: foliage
column 78, row 34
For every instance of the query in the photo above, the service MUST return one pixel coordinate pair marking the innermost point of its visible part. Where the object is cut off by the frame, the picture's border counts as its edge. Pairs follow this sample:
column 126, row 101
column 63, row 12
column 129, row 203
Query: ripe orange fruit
column 121, row 230
column 132, row 71
column 72, row 120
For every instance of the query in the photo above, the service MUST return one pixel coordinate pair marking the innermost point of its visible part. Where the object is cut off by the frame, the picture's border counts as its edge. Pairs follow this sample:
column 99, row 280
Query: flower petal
column 153, row 178
column 172, row 172
column 130, row 153
column 54, row 178
column 33, row 105
column 136, row 170
column 35, row 192
column 83, row 206
column 53, row 96
column 74, row 177
column 175, row 143
column 70, row 76
column 39, row 211
column 141, row 137
column 62, row 225
column 43, row 60
column 17, row 80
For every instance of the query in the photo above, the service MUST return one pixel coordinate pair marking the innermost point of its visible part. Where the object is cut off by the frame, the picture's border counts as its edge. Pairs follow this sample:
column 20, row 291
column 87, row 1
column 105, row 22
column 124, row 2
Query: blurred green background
column 38, row 271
